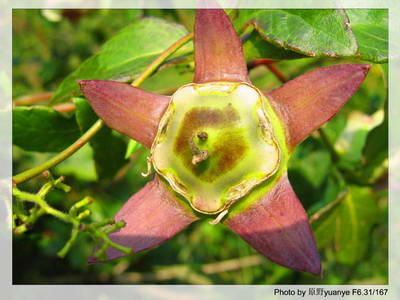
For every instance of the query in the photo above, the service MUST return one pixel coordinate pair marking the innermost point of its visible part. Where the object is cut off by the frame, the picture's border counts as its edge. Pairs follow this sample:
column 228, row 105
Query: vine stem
column 274, row 69
column 44, row 206
column 64, row 107
column 159, row 60
column 328, row 207
column 32, row 99
column 26, row 175
column 73, row 217
column 270, row 64
column 31, row 173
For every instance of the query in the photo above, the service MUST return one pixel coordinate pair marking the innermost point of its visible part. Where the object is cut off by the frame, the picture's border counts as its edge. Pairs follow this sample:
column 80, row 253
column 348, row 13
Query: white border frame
column 105, row 292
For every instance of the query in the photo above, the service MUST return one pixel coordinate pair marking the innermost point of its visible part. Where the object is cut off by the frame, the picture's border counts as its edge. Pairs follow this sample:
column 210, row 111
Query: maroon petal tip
column 152, row 216
column 308, row 101
column 126, row 109
column 217, row 48
column 277, row 226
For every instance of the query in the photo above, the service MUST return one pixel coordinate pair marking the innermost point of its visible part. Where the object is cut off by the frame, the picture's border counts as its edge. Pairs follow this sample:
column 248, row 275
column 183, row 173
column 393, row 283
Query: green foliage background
column 345, row 192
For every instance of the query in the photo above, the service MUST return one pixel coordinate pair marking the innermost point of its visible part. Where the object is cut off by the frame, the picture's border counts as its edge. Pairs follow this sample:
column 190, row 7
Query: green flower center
column 215, row 143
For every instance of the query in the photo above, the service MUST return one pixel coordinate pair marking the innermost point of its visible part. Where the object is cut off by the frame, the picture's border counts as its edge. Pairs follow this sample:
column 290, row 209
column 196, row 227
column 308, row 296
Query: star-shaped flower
column 220, row 147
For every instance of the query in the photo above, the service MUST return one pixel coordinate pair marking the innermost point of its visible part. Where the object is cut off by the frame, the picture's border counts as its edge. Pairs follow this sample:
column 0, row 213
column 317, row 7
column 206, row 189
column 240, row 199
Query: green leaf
column 167, row 80
column 256, row 47
column 348, row 224
column 42, row 129
column 370, row 27
column 375, row 151
column 314, row 166
column 79, row 165
column 309, row 169
column 317, row 32
column 376, row 146
column 335, row 126
column 351, row 141
column 357, row 33
column 108, row 149
column 126, row 54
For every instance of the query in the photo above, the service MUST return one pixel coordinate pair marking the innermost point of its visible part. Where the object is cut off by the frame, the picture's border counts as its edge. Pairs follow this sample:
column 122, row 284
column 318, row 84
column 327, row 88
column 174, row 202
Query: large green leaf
column 42, row 129
column 348, row 224
column 318, row 32
column 108, row 149
column 370, row 26
column 126, row 54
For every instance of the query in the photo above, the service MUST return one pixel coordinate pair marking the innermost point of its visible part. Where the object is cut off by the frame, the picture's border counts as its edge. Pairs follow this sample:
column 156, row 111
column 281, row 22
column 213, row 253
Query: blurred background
column 345, row 197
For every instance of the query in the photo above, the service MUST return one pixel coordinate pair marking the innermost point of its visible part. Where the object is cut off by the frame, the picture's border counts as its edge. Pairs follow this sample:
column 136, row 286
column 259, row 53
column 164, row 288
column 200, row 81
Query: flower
column 266, row 214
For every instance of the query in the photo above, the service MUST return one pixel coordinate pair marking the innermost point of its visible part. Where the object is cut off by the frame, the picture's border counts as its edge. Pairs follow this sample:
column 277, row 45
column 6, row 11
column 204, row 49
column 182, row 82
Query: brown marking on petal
column 200, row 118
column 222, row 155
column 308, row 101
column 229, row 150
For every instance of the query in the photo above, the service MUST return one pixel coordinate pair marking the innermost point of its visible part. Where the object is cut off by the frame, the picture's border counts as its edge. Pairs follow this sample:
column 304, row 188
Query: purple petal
column 217, row 48
column 152, row 216
column 277, row 226
column 127, row 109
column 308, row 101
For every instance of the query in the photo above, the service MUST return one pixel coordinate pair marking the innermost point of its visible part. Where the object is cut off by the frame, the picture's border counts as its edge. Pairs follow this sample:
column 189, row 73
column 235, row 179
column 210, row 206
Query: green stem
column 159, row 60
column 74, row 208
column 110, row 243
column 24, row 176
column 77, row 226
column 36, row 213
column 74, row 235
column 328, row 207
column 103, row 223
column 35, row 198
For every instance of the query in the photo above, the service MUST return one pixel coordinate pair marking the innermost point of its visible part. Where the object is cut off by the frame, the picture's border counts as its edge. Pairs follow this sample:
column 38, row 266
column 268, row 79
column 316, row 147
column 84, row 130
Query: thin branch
column 270, row 64
column 275, row 70
column 328, row 207
column 32, row 99
column 99, row 231
column 159, row 60
column 259, row 62
column 24, row 176
column 64, row 107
